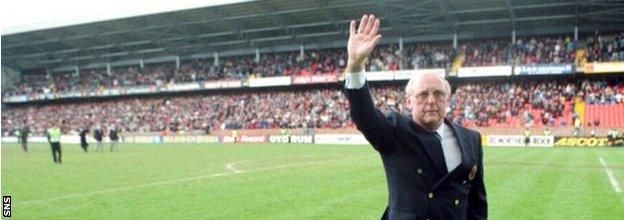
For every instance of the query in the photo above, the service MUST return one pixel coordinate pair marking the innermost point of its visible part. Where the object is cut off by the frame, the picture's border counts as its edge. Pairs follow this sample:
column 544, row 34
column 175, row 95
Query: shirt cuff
column 355, row 80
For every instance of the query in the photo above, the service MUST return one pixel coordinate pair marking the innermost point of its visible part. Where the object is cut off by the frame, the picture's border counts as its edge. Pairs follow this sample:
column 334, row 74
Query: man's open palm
column 363, row 40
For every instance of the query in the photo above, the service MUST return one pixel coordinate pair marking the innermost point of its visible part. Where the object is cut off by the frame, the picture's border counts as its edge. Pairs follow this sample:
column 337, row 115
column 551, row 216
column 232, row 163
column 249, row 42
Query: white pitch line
column 614, row 182
column 229, row 166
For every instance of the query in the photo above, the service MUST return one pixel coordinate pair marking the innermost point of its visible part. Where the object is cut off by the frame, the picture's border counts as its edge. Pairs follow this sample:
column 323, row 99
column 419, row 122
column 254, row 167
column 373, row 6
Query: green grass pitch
column 280, row 181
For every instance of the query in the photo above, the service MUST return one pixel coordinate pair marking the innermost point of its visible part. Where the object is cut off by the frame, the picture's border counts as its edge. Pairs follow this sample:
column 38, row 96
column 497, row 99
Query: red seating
column 608, row 115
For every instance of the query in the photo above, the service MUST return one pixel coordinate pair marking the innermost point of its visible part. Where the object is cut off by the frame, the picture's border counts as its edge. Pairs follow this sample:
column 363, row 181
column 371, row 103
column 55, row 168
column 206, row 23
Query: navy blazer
column 419, row 187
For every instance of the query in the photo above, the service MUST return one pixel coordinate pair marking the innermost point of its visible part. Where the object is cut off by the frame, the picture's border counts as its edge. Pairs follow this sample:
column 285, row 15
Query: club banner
column 15, row 98
column 484, row 71
column 70, row 95
column 609, row 67
column 407, row 74
column 183, row 87
column 222, row 84
column 545, row 69
column 314, row 79
column 138, row 90
column 270, row 81
column 379, row 76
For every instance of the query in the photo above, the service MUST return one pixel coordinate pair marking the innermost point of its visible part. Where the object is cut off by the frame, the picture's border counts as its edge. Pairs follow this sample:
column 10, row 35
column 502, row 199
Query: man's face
column 428, row 102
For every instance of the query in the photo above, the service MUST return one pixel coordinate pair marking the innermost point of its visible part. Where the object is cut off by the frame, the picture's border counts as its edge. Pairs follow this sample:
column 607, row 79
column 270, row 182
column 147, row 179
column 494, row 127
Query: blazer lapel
column 464, row 144
column 467, row 160
column 424, row 142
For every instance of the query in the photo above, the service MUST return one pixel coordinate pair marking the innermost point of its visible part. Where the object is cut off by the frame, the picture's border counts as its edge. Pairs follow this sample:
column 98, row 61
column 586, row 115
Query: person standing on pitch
column 54, row 137
column 114, row 136
column 98, row 136
column 434, row 167
column 527, row 137
column 83, row 138
column 24, row 133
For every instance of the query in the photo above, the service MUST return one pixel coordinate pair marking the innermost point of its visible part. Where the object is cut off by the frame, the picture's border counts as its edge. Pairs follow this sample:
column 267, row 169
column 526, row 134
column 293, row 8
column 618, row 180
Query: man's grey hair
column 410, row 89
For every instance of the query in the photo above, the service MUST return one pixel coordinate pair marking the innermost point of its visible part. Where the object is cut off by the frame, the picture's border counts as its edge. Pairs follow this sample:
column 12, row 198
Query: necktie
column 438, row 136
column 439, row 153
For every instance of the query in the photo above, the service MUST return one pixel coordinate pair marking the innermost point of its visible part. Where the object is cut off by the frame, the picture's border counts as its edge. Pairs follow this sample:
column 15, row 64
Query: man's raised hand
column 362, row 42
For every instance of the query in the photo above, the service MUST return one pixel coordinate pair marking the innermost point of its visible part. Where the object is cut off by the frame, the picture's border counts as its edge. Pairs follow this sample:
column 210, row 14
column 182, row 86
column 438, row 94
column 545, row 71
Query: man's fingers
column 376, row 39
column 375, row 27
column 369, row 24
column 362, row 24
column 352, row 28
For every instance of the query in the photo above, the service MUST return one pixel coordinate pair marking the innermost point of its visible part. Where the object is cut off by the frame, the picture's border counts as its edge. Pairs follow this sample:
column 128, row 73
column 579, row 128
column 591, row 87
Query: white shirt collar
column 442, row 130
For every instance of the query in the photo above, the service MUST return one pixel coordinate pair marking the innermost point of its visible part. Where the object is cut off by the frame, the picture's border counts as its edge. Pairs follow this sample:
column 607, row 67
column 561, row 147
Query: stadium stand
column 474, row 104
column 529, row 50
column 510, row 104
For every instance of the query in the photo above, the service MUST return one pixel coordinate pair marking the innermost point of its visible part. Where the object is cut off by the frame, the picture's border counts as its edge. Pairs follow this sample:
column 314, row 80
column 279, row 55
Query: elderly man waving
column 434, row 168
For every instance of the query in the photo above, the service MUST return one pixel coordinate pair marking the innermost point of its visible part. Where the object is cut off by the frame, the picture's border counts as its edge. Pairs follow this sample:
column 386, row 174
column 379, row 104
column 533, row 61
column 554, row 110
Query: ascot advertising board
column 581, row 142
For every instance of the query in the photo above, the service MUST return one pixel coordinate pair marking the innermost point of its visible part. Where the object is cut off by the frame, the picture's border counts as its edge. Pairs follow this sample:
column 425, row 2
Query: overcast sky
column 27, row 15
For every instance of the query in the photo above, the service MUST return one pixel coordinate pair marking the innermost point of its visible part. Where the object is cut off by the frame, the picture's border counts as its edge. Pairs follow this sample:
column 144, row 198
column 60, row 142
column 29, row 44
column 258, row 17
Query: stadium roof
column 275, row 23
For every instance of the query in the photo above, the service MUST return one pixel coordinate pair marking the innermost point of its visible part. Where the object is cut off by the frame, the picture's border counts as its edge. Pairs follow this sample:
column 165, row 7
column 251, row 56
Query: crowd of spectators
column 310, row 108
column 605, row 48
column 480, row 104
column 530, row 103
column 526, row 50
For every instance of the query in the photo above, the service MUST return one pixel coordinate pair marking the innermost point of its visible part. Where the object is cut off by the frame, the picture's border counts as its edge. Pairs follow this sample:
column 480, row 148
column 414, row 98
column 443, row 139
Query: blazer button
column 457, row 202
column 431, row 195
column 464, row 182
column 419, row 171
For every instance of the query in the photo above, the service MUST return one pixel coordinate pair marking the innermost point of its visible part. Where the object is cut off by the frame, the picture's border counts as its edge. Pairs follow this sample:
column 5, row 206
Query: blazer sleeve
column 378, row 130
column 477, row 200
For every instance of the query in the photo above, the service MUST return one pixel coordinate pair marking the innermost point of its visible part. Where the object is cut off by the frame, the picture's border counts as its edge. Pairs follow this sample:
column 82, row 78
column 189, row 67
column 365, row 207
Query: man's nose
column 431, row 98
